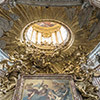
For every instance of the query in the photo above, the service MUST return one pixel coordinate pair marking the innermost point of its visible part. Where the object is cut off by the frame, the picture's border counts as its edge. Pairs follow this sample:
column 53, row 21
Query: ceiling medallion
column 47, row 35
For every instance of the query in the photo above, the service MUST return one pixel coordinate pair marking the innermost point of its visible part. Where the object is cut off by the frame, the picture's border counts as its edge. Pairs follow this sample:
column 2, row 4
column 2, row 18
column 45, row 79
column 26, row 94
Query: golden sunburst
column 28, row 14
column 66, row 60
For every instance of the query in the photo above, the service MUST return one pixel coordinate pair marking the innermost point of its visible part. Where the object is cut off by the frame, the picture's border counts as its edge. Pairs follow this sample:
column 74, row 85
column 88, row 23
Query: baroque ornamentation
column 26, row 61
column 45, row 38
column 30, row 60
column 95, row 3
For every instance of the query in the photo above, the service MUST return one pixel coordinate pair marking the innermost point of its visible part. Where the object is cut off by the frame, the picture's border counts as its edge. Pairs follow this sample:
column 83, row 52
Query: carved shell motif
column 95, row 3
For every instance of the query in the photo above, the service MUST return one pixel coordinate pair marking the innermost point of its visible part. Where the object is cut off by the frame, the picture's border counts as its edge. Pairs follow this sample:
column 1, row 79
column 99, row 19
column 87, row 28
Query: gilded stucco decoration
column 95, row 3
column 27, row 59
column 44, row 39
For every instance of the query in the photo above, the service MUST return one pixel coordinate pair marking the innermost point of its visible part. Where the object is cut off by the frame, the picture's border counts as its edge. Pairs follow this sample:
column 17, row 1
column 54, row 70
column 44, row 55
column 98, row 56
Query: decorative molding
column 95, row 3
column 64, row 61
column 3, row 55
column 46, row 2
column 50, row 2
column 93, row 58
column 2, row 73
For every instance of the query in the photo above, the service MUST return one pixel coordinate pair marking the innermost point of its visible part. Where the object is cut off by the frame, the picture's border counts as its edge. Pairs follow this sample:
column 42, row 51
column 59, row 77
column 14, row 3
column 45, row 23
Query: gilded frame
column 18, row 94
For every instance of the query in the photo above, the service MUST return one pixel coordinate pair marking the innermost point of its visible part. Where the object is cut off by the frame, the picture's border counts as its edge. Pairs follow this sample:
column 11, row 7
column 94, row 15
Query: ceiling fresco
column 46, row 24
column 83, row 21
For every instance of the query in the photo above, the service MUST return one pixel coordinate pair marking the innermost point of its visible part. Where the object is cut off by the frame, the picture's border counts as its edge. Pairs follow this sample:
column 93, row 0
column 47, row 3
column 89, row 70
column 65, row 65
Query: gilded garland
column 29, row 60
